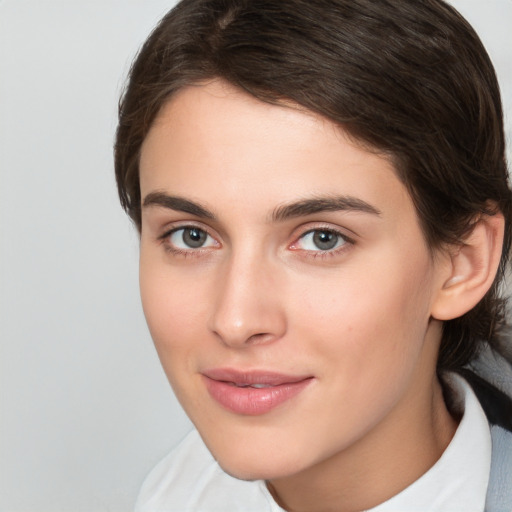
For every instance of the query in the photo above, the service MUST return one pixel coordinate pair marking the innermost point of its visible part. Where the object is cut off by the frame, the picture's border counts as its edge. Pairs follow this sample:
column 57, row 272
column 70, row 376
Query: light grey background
column 85, row 410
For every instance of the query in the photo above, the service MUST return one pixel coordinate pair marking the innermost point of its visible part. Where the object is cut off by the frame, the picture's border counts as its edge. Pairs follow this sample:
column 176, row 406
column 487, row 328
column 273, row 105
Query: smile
column 252, row 393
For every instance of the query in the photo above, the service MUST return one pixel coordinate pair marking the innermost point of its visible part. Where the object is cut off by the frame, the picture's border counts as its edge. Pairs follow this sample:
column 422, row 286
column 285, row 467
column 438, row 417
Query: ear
column 470, row 269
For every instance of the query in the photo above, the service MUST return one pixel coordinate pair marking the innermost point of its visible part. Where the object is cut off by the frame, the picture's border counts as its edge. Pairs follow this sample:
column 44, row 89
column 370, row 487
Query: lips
column 252, row 393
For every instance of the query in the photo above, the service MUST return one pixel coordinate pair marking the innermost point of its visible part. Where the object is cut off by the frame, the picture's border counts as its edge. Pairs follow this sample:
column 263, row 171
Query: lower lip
column 253, row 401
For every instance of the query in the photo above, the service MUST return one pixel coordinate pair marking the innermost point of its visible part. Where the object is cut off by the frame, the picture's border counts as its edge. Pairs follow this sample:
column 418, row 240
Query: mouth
column 252, row 393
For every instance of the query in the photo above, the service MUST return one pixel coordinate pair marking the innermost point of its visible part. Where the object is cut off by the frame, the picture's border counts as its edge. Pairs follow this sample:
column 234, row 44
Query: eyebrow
column 281, row 213
column 178, row 204
column 322, row 204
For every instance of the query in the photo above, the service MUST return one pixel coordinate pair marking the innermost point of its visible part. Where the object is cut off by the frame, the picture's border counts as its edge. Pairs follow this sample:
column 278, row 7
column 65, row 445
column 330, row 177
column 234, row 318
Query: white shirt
column 190, row 480
column 465, row 464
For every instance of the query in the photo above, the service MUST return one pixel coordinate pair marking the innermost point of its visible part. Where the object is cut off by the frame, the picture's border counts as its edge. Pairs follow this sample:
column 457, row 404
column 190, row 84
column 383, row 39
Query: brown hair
column 407, row 77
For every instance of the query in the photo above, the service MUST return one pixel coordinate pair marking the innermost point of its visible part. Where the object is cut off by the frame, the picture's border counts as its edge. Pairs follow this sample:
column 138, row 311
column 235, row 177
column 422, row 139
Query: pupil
column 325, row 240
column 194, row 237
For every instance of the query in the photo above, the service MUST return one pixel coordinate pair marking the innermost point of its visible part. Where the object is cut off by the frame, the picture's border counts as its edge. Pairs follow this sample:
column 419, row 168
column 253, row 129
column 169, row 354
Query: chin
column 252, row 461
column 255, row 470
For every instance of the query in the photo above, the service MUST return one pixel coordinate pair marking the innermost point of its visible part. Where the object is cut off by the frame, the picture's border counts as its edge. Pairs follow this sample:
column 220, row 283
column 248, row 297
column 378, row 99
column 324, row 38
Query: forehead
column 215, row 143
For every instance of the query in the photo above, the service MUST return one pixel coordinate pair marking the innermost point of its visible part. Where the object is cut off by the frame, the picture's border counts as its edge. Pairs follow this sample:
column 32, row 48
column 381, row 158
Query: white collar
column 459, row 479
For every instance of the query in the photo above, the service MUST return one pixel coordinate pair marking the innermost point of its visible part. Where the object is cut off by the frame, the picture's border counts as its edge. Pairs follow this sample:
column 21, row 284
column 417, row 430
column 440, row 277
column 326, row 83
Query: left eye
column 190, row 237
column 321, row 240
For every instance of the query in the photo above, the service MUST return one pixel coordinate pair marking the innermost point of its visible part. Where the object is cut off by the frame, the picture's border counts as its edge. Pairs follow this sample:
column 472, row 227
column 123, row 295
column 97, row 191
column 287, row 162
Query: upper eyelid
column 344, row 232
column 345, row 238
column 170, row 228
column 332, row 230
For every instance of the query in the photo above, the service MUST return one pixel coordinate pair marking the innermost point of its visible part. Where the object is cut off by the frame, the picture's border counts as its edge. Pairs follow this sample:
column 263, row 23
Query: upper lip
column 249, row 377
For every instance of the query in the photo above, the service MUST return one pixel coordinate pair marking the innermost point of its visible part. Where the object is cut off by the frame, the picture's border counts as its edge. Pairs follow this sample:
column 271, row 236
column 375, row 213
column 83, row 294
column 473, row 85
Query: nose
column 248, row 307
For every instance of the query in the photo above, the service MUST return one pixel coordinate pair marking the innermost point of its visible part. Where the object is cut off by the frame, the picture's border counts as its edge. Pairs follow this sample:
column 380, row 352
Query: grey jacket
column 490, row 376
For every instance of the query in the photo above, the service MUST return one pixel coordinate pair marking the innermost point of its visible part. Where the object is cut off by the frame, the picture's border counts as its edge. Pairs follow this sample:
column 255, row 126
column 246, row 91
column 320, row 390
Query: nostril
column 259, row 338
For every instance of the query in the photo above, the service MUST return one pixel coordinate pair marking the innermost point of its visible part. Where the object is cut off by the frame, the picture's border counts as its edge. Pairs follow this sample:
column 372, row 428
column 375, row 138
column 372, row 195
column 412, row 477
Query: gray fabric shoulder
column 494, row 368
column 490, row 376
column 499, row 493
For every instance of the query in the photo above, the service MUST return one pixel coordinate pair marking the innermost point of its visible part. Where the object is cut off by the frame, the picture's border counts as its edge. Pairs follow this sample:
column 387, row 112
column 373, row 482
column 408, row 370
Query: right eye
column 190, row 237
column 322, row 240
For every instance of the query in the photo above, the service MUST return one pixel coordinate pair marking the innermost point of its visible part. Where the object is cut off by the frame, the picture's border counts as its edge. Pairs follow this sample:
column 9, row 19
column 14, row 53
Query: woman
column 322, row 199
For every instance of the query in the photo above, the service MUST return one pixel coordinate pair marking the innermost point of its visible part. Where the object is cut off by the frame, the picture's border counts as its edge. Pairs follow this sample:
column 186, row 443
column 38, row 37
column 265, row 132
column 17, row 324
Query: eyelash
column 198, row 252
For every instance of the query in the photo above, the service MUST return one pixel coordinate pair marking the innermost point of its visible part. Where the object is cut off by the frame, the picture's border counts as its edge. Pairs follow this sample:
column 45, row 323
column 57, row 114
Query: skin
column 260, row 295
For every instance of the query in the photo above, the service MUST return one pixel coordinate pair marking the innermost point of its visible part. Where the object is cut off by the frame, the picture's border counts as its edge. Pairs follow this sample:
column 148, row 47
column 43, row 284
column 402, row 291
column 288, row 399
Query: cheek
column 372, row 317
column 365, row 332
column 173, row 307
column 175, row 319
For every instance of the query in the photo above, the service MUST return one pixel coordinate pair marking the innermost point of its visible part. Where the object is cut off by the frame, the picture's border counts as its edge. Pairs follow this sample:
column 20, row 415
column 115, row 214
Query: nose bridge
column 247, row 309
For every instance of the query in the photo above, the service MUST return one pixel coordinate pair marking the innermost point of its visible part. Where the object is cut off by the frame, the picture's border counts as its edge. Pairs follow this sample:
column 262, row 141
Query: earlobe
column 471, row 269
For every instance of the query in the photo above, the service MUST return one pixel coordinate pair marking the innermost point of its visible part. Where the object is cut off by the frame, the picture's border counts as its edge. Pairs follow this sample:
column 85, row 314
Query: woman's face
column 285, row 281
